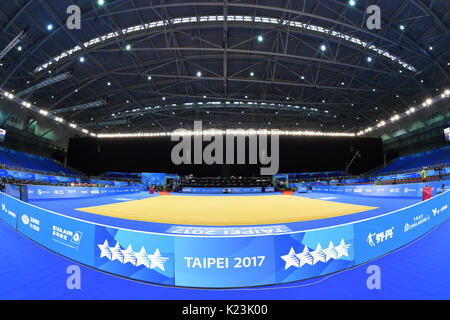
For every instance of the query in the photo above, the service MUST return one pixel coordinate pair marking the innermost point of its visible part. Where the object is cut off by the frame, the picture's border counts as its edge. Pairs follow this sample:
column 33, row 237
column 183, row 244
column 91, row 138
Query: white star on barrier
column 318, row 254
column 142, row 258
column 116, row 253
column 128, row 256
column 105, row 252
column 156, row 260
column 291, row 259
column 330, row 252
column 305, row 257
column 342, row 249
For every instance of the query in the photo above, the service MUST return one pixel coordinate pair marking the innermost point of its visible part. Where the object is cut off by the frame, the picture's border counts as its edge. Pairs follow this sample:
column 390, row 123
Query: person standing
column 424, row 174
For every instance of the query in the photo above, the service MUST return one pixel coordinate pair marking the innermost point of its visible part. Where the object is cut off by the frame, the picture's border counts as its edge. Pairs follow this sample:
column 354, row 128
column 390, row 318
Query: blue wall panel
column 230, row 259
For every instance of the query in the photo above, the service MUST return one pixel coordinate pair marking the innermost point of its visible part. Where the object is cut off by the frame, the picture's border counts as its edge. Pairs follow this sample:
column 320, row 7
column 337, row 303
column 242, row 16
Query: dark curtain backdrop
column 297, row 154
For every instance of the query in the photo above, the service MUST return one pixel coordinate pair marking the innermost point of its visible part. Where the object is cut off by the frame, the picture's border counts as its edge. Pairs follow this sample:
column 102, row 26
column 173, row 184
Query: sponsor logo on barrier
column 8, row 212
column 436, row 211
column 298, row 260
column 229, row 230
column 380, row 237
column 67, row 237
column 61, row 192
column 417, row 220
column 41, row 192
column 25, row 219
column 151, row 261
column 406, row 190
column 394, row 190
column 95, row 192
column 33, row 223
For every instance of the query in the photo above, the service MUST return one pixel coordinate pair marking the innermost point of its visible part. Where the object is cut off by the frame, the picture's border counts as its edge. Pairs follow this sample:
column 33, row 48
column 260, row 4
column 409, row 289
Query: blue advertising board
column 314, row 253
column 136, row 255
column 7, row 212
column 413, row 190
column 224, row 261
column 378, row 236
column 222, row 190
column 67, row 236
column 57, row 192
column 148, row 179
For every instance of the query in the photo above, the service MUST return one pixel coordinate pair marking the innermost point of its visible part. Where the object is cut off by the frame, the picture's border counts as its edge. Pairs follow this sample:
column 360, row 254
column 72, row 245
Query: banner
column 149, row 179
column 56, row 192
column 412, row 190
column 71, row 238
column 221, row 190
column 380, row 235
column 136, row 255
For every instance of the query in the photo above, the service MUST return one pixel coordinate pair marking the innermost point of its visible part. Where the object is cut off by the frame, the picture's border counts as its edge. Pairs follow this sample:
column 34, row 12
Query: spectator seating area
column 24, row 161
column 417, row 160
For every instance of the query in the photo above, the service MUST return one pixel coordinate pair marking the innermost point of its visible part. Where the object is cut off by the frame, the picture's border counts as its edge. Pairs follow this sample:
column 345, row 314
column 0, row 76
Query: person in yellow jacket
column 424, row 174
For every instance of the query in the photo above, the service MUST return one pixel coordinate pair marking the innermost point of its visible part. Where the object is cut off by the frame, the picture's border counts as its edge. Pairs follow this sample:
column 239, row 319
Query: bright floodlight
column 323, row 47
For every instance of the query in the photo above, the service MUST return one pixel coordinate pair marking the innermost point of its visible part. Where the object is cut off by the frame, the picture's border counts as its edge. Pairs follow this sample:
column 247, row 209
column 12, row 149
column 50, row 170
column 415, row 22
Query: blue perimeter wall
column 33, row 192
column 413, row 190
column 203, row 259
column 221, row 190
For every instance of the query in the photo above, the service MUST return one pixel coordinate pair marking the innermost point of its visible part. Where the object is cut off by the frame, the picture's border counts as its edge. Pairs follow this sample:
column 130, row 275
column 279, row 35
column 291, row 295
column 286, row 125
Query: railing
column 417, row 169
column 51, row 173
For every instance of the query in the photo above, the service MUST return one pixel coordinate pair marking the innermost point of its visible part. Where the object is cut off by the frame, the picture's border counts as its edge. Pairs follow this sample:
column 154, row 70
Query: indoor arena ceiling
column 143, row 65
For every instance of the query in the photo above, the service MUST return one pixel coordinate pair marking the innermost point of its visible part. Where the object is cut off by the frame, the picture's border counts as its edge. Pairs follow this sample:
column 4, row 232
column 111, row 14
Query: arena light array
column 224, row 132
column 42, row 112
column 249, row 104
column 244, row 19
column 428, row 102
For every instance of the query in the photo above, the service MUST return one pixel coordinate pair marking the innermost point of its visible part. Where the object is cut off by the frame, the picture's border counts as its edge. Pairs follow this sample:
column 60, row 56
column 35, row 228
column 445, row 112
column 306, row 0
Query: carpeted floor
column 219, row 210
